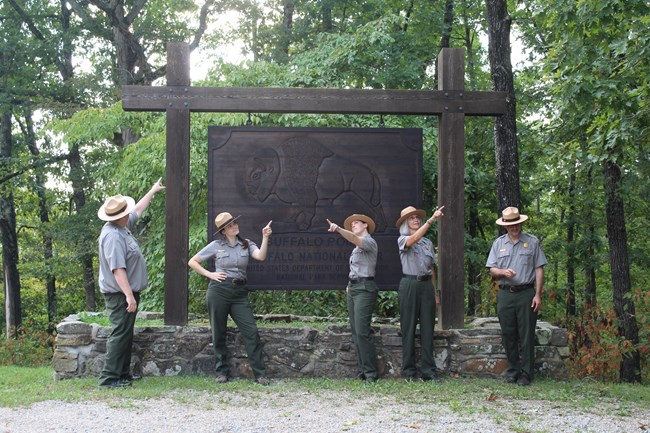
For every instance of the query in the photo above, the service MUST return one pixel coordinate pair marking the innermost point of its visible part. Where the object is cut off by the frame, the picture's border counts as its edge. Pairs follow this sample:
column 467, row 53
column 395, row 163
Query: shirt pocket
column 431, row 256
column 222, row 259
column 132, row 247
column 503, row 259
column 526, row 257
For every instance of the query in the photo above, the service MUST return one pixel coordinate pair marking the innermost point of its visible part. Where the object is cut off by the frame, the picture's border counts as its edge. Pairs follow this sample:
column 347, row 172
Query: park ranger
column 417, row 296
column 517, row 261
column 228, row 293
column 122, row 276
column 361, row 289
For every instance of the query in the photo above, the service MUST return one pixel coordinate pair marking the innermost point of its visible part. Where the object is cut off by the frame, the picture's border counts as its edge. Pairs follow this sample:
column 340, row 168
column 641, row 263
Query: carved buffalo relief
column 304, row 174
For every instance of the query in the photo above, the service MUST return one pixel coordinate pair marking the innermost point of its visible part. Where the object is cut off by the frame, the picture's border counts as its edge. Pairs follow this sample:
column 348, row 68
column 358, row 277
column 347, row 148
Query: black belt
column 418, row 277
column 355, row 281
column 236, row 281
column 515, row 289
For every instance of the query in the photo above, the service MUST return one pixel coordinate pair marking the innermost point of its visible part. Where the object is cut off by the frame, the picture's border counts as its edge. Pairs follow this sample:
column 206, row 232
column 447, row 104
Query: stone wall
column 297, row 352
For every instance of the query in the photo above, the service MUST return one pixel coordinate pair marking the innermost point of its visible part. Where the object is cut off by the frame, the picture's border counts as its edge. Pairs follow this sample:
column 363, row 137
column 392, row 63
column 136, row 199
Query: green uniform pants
column 518, row 321
column 417, row 303
column 117, row 364
column 225, row 298
column 362, row 297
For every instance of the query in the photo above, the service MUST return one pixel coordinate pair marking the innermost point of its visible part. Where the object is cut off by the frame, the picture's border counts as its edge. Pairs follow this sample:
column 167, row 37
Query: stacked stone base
column 298, row 352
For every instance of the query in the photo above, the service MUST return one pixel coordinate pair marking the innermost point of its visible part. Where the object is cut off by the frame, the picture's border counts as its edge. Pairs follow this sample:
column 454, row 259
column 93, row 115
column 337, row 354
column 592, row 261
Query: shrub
column 596, row 348
column 30, row 348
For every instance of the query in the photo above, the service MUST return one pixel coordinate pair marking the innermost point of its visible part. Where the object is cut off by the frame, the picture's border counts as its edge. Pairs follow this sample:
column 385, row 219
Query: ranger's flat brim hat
column 359, row 217
column 116, row 207
column 511, row 216
column 407, row 212
column 224, row 219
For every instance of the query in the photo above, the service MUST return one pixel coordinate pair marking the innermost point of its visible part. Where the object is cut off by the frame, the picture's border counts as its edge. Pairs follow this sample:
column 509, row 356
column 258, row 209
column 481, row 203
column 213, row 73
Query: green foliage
column 581, row 101
column 326, row 303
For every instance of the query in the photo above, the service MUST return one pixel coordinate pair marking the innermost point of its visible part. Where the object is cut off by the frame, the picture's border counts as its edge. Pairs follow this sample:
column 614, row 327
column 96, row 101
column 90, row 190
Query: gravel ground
column 271, row 411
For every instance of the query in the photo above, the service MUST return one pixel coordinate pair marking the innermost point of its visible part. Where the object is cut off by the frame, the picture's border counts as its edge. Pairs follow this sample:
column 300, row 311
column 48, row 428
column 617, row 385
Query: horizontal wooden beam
column 299, row 100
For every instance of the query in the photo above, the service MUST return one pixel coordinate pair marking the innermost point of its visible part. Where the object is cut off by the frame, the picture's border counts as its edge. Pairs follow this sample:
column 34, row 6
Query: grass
column 470, row 397
column 102, row 320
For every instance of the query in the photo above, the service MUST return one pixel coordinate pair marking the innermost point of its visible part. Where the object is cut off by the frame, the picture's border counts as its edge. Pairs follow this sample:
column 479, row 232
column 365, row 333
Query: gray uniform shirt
column 233, row 260
column 363, row 260
column 418, row 259
column 119, row 249
column 522, row 257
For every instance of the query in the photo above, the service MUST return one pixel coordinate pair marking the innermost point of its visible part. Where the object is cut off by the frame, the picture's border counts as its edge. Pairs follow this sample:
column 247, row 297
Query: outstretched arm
column 347, row 235
column 262, row 252
column 419, row 233
column 143, row 203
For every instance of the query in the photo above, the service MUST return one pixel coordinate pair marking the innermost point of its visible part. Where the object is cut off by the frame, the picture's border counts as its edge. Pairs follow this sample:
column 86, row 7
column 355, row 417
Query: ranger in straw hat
column 516, row 259
column 122, row 276
column 228, row 294
column 361, row 289
column 417, row 297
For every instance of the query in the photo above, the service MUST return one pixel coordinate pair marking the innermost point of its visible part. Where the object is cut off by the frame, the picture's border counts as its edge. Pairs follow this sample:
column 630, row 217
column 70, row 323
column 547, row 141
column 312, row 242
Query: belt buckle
column 238, row 281
column 354, row 281
column 421, row 277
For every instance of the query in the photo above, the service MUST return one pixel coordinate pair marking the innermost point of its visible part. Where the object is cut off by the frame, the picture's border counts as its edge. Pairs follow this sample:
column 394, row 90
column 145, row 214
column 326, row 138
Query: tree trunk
column 448, row 21
column 79, row 200
column 13, row 308
column 282, row 51
column 619, row 262
column 473, row 269
column 570, row 242
column 589, row 268
column 44, row 213
column 326, row 12
column 505, row 126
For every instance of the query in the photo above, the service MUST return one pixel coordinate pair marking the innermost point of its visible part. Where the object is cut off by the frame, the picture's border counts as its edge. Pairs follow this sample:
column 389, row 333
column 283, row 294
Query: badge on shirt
column 525, row 244
column 221, row 251
column 502, row 250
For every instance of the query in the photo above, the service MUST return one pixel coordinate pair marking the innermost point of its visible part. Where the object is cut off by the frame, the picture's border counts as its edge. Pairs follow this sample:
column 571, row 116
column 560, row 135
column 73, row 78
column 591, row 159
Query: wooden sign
column 298, row 177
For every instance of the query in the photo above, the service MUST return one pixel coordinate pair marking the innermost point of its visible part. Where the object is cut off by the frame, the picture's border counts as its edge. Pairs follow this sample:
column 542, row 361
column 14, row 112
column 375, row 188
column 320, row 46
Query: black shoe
column 433, row 378
column 361, row 376
column 263, row 380
column 131, row 377
column 511, row 379
column 221, row 378
column 116, row 384
column 523, row 380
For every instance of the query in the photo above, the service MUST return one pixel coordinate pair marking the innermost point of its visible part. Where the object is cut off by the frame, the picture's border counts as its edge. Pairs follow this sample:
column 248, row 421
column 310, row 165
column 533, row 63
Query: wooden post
column 178, row 188
column 451, row 103
column 451, row 193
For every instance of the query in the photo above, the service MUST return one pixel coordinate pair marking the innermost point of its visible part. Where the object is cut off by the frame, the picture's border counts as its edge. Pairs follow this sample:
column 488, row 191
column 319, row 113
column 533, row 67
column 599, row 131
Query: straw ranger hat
column 359, row 217
column 511, row 216
column 115, row 207
column 407, row 212
column 223, row 220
